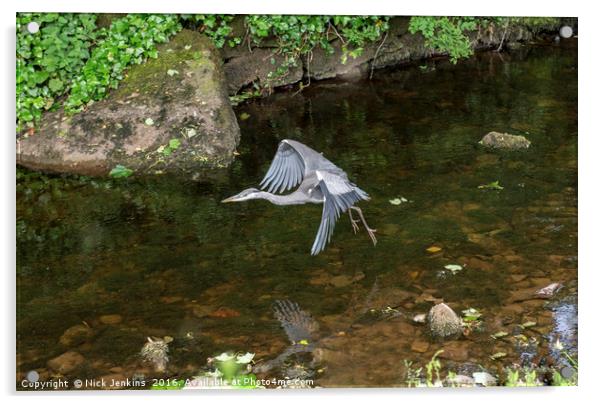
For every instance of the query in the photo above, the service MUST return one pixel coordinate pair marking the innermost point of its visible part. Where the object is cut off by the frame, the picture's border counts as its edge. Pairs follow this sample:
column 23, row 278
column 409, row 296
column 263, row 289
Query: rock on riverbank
column 180, row 95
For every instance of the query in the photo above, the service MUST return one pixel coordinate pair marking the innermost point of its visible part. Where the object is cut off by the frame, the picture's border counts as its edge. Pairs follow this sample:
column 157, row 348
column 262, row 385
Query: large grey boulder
column 180, row 95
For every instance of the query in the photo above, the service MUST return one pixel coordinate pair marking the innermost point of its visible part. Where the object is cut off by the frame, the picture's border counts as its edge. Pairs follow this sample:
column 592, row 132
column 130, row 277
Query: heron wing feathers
column 286, row 170
column 339, row 195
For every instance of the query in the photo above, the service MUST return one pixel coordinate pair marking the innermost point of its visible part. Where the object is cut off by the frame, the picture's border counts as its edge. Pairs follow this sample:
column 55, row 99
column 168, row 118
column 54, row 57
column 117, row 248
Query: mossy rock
column 180, row 95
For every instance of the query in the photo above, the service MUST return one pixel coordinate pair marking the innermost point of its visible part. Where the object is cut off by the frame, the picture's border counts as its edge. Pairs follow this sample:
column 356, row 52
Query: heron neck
column 290, row 199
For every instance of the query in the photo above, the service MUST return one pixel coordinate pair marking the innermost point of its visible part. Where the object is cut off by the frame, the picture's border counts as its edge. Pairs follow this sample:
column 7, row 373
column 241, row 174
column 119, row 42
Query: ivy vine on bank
column 72, row 62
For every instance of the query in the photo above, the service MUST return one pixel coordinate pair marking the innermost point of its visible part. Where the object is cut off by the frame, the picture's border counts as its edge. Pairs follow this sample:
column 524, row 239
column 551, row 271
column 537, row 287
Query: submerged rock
column 76, row 335
column 484, row 379
column 169, row 114
column 443, row 321
column 549, row 290
column 110, row 319
column 66, row 362
column 499, row 140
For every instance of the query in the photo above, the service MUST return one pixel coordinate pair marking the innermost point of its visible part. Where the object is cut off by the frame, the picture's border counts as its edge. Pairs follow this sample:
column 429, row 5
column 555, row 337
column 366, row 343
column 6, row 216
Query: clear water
column 167, row 257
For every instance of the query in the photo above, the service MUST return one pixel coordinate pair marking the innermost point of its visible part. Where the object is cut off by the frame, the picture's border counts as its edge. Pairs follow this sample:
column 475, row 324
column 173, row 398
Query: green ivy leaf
column 120, row 172
column 55, row 85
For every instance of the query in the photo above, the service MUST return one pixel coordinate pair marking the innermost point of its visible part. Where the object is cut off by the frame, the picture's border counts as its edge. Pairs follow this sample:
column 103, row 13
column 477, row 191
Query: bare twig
column 376, row 54
column 499, row 48
column 336, row 32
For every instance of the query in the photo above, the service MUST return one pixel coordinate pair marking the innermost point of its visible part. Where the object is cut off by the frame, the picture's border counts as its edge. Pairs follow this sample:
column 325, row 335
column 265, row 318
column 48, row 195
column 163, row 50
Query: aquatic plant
column 432, row 378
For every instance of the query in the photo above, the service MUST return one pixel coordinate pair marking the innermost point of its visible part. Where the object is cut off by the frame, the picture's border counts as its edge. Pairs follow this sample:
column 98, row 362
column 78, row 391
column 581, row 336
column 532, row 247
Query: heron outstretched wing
column 286, row 170
column 339, row 195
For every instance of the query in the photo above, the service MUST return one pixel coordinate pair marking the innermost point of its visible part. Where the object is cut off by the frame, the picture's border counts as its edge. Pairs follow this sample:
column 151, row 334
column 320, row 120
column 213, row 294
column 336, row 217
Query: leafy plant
column 446, row 34
column 299, row 35
column 120, row 172
column 215, row 26
column 527, row 379
column 48, row 59
column 129, row 40
column 415, row 378
column 71, row 57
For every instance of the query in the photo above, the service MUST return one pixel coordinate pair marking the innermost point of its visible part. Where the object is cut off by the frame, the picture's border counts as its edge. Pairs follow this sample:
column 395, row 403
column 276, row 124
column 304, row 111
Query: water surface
column 170, row 260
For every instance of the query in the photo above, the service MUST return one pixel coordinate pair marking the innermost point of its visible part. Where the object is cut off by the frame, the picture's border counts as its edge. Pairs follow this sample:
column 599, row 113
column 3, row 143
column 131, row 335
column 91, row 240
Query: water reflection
column 170, row 260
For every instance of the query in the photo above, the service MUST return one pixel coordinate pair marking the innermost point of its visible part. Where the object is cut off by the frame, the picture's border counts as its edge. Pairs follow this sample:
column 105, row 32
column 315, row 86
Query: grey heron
column 319, row 180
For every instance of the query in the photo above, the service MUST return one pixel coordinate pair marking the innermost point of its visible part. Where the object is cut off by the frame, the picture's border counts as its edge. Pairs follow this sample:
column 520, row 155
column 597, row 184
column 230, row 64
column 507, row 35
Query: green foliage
column 49, row 59
column 446, row 34
column 299, row 35
column 120, row 172
column 71, row 60
column 533, row 23
column 215, row 26
column 70, row 56
column 172, row 146
column 527, row 379
column 129, row 40
column 415, row 378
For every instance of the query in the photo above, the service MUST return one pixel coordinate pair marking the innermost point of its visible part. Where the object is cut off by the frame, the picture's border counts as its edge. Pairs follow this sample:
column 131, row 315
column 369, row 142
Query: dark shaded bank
column 172, row 114
column 245, row 66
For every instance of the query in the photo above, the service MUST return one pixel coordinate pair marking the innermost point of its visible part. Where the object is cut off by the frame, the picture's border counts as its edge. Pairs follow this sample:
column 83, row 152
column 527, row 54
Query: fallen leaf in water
column 172, row 72
column 433, row 249
column 224, row 312
column 167, row 339
column 303, row 342
column 398, row 201
column 528, row 324
column 498, row 355
column 492, row 185
column 244, row 116
column 149, row 121
column 500, row 334
column 454, row 268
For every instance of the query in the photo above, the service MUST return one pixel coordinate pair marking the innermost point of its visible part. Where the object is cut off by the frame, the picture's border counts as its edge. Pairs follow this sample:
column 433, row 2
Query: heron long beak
column 230, row 199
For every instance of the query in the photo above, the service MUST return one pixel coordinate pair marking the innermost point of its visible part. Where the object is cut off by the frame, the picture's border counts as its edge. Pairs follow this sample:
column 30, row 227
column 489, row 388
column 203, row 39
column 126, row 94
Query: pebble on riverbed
column 66, row 363
column 443, row 321
column 499, row 140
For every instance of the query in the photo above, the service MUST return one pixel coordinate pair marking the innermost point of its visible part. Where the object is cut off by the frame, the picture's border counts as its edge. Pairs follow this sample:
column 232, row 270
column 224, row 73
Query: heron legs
column 363, row 220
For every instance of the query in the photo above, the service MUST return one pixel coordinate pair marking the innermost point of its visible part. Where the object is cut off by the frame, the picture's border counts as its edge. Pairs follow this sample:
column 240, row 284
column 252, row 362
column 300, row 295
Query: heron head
column 245, row 195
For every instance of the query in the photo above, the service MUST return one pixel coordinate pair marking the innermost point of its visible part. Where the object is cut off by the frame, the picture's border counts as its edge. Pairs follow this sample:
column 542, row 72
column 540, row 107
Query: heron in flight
column 319, row 180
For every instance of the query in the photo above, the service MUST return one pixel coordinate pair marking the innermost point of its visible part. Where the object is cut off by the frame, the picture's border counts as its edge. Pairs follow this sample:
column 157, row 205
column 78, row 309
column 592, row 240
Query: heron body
column 318, row 181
